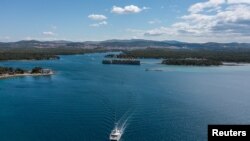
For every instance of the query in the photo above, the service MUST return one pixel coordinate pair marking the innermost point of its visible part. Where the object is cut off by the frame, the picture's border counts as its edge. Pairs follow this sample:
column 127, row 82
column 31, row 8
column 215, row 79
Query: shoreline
column 24, row 75
column 234, row 64
column 23, row 60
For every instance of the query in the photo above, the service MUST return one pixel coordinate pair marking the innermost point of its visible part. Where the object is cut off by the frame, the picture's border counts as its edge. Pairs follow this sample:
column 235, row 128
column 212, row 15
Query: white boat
column 115, row 134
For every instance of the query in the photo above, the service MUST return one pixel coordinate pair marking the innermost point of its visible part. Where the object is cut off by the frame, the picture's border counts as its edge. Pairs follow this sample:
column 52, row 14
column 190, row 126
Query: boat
column 115, row 135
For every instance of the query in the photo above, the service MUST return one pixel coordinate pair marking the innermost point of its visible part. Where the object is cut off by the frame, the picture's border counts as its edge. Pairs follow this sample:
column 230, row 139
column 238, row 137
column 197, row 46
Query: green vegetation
column 36, row 70
column 126, row 62
column 6, row 72
column 223, row 55
column 42, row 53
column 19, row 71
column 213, row 53
column 191, row 62
column 10, row 70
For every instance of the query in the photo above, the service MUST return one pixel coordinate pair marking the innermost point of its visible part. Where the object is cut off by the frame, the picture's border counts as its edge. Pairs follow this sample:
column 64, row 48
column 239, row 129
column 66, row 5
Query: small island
column 6, row 72
column 189, row 57
column 192, row 62
column 122, row 61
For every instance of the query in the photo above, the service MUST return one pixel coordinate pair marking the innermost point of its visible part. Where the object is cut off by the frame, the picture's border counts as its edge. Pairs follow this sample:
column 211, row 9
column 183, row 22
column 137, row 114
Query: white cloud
column 44, row 38
column 145, row 8
column 53, row 27
column 5, row 38
column 238, row 1
column 48, row 33
column 135, row 37
column 160, row 31
column 156, row 32
column 231, row 19
column 199, row 7
column 130, row 9
column 97, row 17
column 155, row 21
column 230, row 23
column 28, row 38
column 99, row 24
column 135, row 30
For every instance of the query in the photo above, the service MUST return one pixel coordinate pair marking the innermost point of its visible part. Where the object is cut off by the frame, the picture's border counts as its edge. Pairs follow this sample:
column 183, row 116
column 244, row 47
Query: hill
column 123, row 44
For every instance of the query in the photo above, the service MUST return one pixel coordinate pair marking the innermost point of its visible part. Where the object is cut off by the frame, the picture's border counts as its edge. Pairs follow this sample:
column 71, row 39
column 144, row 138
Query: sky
column 96, row 20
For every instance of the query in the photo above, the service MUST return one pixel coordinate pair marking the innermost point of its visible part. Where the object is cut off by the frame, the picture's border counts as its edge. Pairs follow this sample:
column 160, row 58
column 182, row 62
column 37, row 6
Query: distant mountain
column 134, row 43
column 60, row 41
column 173, row 42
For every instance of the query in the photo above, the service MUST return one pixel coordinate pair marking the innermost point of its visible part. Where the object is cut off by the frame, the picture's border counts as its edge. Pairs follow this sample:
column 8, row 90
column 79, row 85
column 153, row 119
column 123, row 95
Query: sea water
column 84, row 100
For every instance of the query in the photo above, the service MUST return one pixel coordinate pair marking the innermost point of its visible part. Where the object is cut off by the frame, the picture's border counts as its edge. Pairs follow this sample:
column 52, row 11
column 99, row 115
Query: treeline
column 10, row 70
column 192, row 62
column 42, row 53
column 223, row 55
column 13, row 71
column 125, row 62
column 26, row 56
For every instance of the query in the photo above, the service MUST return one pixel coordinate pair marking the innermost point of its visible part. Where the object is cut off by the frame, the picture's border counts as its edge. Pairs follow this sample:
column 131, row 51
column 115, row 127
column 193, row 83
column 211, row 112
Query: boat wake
column 125, row 114
column 123, row 122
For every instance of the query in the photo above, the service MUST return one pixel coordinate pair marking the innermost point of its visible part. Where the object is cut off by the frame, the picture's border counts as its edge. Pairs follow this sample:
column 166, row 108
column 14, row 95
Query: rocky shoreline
column 7, row 72
column 23, row 75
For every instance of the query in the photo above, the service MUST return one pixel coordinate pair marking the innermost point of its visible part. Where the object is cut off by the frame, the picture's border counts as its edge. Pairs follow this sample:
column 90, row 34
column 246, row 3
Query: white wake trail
column 123, row 122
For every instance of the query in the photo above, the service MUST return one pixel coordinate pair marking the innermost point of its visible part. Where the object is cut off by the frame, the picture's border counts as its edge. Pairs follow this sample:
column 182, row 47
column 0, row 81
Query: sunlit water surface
column 84, row 99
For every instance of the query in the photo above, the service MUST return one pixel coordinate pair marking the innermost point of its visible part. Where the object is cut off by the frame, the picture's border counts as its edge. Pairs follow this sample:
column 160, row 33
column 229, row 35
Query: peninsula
column 7, row 72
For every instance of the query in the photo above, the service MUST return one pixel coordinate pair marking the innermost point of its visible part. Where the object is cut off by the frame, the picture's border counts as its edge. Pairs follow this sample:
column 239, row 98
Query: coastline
column 24, row 75
column 234, row 64
column 23, row 60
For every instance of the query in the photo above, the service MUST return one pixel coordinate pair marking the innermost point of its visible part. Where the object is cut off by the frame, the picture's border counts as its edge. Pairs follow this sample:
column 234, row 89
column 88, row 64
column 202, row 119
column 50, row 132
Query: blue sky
column 83, row 20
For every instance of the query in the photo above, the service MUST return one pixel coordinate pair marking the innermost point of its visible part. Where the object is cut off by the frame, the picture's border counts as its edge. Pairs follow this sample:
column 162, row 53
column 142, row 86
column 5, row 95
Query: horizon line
column 123, row 40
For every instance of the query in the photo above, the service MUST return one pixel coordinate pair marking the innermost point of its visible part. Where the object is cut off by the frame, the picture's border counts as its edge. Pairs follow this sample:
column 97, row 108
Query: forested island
column 192, row 62
column 122, row 61
column 194, row 57
column 6, row 72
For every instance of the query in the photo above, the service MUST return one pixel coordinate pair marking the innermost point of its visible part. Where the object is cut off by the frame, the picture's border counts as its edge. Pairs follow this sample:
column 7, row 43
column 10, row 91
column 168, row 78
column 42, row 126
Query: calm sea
column 85, row 98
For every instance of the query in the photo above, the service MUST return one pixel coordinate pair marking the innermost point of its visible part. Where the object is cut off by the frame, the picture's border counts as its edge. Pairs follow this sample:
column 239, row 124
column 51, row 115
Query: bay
column 84, row 99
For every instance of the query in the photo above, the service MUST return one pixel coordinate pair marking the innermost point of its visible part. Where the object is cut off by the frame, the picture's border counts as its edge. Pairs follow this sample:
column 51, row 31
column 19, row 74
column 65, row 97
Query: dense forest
column 10, row 70
column 191, row 62
column 42, row 53
column 223, row 55
column 126, row 62
column 13, row 71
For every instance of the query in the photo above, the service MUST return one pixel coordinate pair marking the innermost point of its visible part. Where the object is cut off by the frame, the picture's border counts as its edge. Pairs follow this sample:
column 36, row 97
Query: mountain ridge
column 115, row 43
